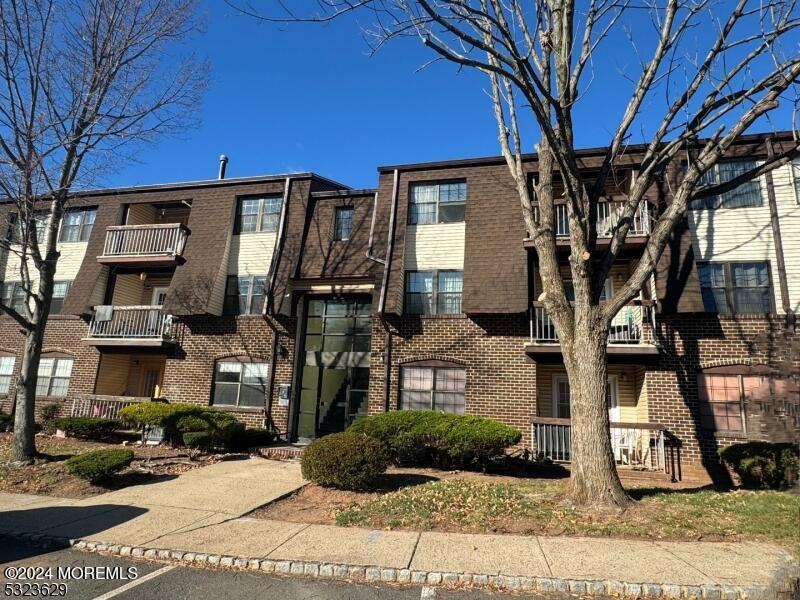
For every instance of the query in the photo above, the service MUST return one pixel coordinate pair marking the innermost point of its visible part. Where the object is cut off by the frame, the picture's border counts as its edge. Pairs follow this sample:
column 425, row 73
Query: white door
column 561, row 397
column 159, row 295
column 154, row 320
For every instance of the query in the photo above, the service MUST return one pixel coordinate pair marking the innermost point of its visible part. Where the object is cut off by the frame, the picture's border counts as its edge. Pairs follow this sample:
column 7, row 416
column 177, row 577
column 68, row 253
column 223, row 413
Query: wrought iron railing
column 626, row 327
column 128, row 322
column 166, row 239
column 635, row 445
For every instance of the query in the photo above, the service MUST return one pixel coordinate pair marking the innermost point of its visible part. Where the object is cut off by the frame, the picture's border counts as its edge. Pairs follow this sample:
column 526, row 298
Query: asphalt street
column 97, row 577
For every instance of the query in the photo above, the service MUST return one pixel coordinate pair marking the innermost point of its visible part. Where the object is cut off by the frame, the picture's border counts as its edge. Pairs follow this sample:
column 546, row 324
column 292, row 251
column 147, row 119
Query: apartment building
column 300, row 305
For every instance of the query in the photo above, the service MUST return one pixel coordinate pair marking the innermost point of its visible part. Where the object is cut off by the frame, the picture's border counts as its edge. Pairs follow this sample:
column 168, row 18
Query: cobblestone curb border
column 784, row 582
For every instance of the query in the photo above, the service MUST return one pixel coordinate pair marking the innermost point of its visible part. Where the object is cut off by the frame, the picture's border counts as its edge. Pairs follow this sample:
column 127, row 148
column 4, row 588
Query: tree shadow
column 59, row 524
column 391, row 482
column 646, row 492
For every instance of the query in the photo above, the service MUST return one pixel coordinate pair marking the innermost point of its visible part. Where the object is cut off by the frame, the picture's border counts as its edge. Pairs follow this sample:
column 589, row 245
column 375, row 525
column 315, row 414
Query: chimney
column 223, row 164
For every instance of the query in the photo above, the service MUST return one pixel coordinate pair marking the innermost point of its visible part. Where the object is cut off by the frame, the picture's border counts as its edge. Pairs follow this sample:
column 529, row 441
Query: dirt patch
column 49, row 476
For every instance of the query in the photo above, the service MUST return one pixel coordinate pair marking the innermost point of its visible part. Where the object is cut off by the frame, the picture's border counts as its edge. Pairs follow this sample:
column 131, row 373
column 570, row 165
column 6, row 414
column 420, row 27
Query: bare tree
column 705, row 71
column 81, row 83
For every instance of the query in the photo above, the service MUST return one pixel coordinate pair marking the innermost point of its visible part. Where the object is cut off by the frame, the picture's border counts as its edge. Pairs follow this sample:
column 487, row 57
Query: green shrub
column 48, row 412
column 177, row 419
column 157, row 414
column 763, row 465
column 219, row 425
column 6, row 422
column 87, row 428
column 348, row 461
column 98, row 465
column 199, row 440
column 245, row 439
column 429, row 437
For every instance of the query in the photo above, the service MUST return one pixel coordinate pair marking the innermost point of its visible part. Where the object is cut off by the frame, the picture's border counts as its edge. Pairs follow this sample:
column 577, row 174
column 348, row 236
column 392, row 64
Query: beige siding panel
column 112, row 375
column 216, row 300
column 745, row 234
column 141, row 214
column 789, row 218
column 128, row 291
column 438, row 246
column 629, row 384
column 251, row 253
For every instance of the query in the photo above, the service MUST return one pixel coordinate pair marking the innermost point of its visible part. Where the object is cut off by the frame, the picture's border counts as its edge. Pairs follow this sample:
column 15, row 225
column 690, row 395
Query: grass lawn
column 468, row 502
column 49, row 476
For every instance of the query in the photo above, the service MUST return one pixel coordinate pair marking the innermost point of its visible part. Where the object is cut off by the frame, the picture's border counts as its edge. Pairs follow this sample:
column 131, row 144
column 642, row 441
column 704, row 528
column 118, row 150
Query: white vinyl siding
column 745, row 235
column 439, row 246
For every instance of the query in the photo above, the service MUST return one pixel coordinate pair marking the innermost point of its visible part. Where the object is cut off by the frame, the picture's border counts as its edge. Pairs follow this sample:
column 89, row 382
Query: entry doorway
column 335, row 372
column 151, row 378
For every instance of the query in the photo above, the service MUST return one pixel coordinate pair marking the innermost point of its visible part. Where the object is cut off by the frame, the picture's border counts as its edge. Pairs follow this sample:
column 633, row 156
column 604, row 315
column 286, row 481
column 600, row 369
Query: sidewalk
column 197, row 518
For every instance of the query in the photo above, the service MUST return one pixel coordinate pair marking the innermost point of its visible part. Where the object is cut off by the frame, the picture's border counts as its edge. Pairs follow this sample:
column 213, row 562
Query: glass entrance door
column 336, row 369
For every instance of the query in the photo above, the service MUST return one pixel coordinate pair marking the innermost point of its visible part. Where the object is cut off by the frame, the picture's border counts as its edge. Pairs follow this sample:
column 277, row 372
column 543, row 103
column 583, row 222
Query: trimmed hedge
column 98, row 465
column 348, row 461
column 178, row 419
column 200, row 440
column 87, row 428
column 244, row 439
column 430, row 437
column 763, row 465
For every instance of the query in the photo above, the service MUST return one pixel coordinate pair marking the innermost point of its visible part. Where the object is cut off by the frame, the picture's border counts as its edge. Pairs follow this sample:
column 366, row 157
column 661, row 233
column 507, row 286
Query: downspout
column 387, row 345
column 268, row 304
column 791, row 318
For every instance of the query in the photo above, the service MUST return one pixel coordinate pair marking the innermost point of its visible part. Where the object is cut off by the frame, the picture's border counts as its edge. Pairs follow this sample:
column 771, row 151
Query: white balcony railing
column 166, row 239
column 635, row 445
column 626, row 327
column 106, row 407
column 608, row 217
column 130, row 322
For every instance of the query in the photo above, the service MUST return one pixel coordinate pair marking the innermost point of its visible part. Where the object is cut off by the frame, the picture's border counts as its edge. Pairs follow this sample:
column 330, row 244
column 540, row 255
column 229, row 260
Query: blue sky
column 310, row 98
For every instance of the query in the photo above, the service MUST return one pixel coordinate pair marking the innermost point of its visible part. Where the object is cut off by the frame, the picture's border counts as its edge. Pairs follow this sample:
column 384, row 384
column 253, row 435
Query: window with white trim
column 240, row 382
column 54, row 375
column 6, row 370
column 13, row 295
column 258, row 214
column 77, row 225
column 746, row 195
column 245, row 295
column 60, row 289
column 433, row 388
column 437, row 202
column 434, row 292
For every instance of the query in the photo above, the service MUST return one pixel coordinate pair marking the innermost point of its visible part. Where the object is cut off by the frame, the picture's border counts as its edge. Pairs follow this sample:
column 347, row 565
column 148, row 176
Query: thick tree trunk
column 23, row 450
column 594, row 480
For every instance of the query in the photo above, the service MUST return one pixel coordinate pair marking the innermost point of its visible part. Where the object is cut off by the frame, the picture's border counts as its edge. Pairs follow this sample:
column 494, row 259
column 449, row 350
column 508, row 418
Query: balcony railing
column 106, row 407
column 158, row 240
column 635, row 445
column 130, row 322
column 608, row 217
column 626, row 327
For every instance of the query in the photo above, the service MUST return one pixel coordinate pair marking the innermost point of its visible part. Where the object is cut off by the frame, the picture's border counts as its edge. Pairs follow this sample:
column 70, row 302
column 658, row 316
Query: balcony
column 638, row 446
column 608, row 217
column 629, row 334
column 132, row 326
column 155, row 245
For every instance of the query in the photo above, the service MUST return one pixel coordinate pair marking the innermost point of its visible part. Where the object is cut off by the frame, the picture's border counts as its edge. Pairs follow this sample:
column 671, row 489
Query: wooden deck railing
column 129, row 322
column 167, row 239
column 636, row 445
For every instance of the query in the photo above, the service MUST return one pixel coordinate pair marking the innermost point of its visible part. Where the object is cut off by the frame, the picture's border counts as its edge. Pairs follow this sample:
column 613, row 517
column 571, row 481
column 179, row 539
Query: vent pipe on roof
column 223, row 164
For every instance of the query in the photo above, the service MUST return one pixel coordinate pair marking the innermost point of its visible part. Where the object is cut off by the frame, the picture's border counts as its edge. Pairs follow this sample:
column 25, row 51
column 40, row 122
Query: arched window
column 433, row 385
column 240, row 381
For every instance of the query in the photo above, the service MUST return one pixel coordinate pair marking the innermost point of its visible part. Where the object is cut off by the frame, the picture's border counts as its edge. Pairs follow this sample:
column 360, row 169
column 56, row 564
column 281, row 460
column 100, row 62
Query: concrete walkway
column 198, row 518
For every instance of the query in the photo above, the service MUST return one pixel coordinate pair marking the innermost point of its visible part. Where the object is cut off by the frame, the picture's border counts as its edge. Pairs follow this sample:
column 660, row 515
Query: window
column 343, row 223
column 77, row 225
column 605, row 293
column 442, row 202
column 746, row 195
column 736, row 288
column 14, row 233
column 238, row 382
column 13, row 296
column 6, row 369
column 796, row 175
column 258, row 214
column 434, row 292
column 720, row 402
column 54, row 374
column 433, row 388
column 60, row 289
column 245, row 295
